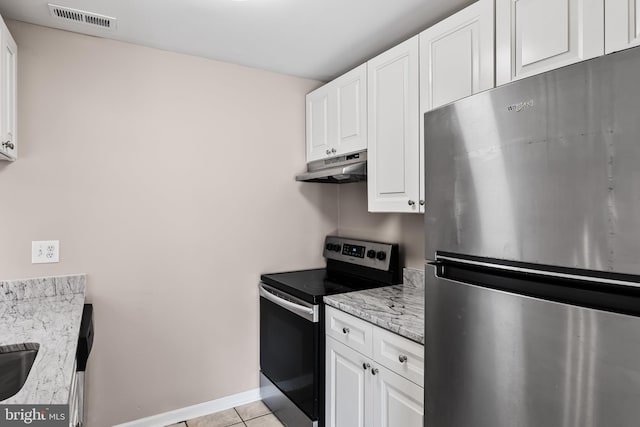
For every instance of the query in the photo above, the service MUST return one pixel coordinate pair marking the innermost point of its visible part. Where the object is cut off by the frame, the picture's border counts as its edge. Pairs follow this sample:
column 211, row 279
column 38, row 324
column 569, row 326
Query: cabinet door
column 348, row 383
column 350, row 112
column 533, row 36
column 8, row 96
column 456, row 56
column 393, row 115
column 318, row 124
column 456, row 60
column 396, row 401
column 622, row 24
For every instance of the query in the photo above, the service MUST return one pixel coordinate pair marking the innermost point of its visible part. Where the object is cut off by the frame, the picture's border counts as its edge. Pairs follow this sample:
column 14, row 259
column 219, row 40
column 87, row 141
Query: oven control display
column 353, row 250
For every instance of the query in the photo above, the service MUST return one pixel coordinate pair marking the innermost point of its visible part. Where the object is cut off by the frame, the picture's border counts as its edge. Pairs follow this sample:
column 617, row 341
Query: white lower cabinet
column 365, row 391
column 348, row 386
column 396, row 401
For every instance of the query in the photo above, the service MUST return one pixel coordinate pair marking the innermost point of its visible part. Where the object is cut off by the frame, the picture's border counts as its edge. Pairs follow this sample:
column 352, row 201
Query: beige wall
column 355, row 221
column 151, row 168
column 168, row 179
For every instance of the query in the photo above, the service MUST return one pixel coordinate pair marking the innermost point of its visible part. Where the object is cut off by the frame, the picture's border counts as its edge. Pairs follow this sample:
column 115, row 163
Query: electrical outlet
column 45, row 251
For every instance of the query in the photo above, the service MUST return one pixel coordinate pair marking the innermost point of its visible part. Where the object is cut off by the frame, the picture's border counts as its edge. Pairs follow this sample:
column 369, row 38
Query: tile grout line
column 252, row 418
column 242, row 420
column 269, row 412
column 260, row 416
column 238, row 413
column 240, row 416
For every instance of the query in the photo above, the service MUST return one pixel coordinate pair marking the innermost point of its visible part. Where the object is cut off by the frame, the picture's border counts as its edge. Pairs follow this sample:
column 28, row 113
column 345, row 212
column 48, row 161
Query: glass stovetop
column 312, row 285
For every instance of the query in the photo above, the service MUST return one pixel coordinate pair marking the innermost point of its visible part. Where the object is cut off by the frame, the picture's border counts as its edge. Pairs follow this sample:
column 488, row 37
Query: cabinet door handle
column 345, row 330
column 374, row 371
column 366, row 366
column 402, row 358
column 8, row 145
column 411, row 203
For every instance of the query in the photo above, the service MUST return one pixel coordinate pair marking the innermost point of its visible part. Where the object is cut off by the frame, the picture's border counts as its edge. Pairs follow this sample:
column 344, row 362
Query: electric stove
column 292, row 323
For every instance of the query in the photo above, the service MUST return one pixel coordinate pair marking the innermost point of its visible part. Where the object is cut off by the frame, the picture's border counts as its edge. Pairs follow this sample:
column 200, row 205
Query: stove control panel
column 376, row 255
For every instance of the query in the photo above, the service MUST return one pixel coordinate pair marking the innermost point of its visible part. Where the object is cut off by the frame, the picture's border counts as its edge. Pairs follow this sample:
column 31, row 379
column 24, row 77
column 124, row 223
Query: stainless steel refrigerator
column 533, row 251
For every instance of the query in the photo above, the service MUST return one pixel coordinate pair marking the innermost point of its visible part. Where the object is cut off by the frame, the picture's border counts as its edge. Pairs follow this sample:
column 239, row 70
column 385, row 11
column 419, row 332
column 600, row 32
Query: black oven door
column 290, row 347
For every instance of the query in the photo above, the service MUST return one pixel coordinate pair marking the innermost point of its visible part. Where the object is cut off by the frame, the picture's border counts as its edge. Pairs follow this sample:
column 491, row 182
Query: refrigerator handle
column 443, row 259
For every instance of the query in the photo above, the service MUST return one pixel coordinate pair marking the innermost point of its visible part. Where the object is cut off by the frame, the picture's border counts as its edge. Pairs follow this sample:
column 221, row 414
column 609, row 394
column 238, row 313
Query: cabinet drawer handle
column 333, row 150
column 366, row 366
column 8, row 145
column 345, row 330
column 421, row 202
column 402, row 358
column 411, row 203
column 374, row 371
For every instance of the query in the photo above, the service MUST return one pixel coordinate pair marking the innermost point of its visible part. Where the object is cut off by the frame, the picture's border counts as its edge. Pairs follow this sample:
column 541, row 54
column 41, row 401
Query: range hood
column 337, row 170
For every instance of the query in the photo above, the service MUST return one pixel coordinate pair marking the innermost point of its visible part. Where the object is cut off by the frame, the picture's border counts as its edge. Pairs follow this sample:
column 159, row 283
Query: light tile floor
column 254, row 414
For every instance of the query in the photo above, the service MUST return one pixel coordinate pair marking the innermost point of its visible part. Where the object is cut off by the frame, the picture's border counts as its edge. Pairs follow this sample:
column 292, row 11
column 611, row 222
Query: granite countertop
column 46, row 311
column 398, row 308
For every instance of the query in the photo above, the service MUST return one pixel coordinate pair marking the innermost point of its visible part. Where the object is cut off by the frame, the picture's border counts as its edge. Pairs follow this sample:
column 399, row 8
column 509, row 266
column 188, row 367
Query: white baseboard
column 206, row 408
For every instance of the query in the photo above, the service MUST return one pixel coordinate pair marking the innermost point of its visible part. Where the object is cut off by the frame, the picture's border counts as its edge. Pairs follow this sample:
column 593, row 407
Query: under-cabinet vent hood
column 337, row 170
column 83, row 17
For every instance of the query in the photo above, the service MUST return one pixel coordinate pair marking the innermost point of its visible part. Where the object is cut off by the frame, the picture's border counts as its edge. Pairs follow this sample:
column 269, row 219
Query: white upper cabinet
column 350, row 114
column 336, row 116
column 622, row 24
column 456, row 56
column 393, row 116
column 318, row 124
column 456, row 60
column 8, row 95
column 533, row 36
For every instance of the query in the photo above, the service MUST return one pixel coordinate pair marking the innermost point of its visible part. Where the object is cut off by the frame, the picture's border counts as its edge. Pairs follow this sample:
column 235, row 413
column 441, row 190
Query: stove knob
column 336, row 248
column 329, row 246
column 381, row 255
column 371, row 253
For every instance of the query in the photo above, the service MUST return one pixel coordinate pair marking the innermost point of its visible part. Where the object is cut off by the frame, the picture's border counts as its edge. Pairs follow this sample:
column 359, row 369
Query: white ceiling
column 317, row 39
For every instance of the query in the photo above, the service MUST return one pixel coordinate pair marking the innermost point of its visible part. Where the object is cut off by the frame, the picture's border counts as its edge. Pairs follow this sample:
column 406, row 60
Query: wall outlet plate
column 45, row 251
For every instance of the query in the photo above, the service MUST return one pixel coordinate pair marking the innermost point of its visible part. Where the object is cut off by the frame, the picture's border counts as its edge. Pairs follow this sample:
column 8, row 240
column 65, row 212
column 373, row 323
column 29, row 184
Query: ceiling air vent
column 89, row 18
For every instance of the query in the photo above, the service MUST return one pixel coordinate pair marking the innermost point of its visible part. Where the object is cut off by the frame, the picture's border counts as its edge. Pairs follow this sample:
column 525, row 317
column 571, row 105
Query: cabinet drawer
column 349, row 330
column 402, row 356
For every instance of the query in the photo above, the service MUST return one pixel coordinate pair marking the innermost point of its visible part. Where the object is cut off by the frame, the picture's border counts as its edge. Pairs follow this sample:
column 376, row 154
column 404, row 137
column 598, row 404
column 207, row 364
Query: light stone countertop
column 398, row 308
column 46, row 311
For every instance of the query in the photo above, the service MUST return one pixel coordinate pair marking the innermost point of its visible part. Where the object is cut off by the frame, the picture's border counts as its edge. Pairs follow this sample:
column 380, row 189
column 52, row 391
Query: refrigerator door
column 542, row 170
column 500, row 359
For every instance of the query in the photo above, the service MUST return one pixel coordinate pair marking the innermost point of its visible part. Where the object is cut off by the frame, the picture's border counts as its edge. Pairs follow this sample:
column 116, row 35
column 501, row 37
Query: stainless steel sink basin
column 15, row 363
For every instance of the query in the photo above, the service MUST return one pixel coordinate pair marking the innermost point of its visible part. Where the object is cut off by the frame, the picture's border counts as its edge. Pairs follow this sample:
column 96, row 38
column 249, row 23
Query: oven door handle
column 309, row 313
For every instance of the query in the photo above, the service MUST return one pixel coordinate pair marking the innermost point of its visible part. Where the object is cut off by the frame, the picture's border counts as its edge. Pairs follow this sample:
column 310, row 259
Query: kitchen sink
column 15, row 363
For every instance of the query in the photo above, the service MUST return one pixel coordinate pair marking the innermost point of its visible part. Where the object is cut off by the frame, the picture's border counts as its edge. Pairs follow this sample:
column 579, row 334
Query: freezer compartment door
column 543, row 170
column 495, row 358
